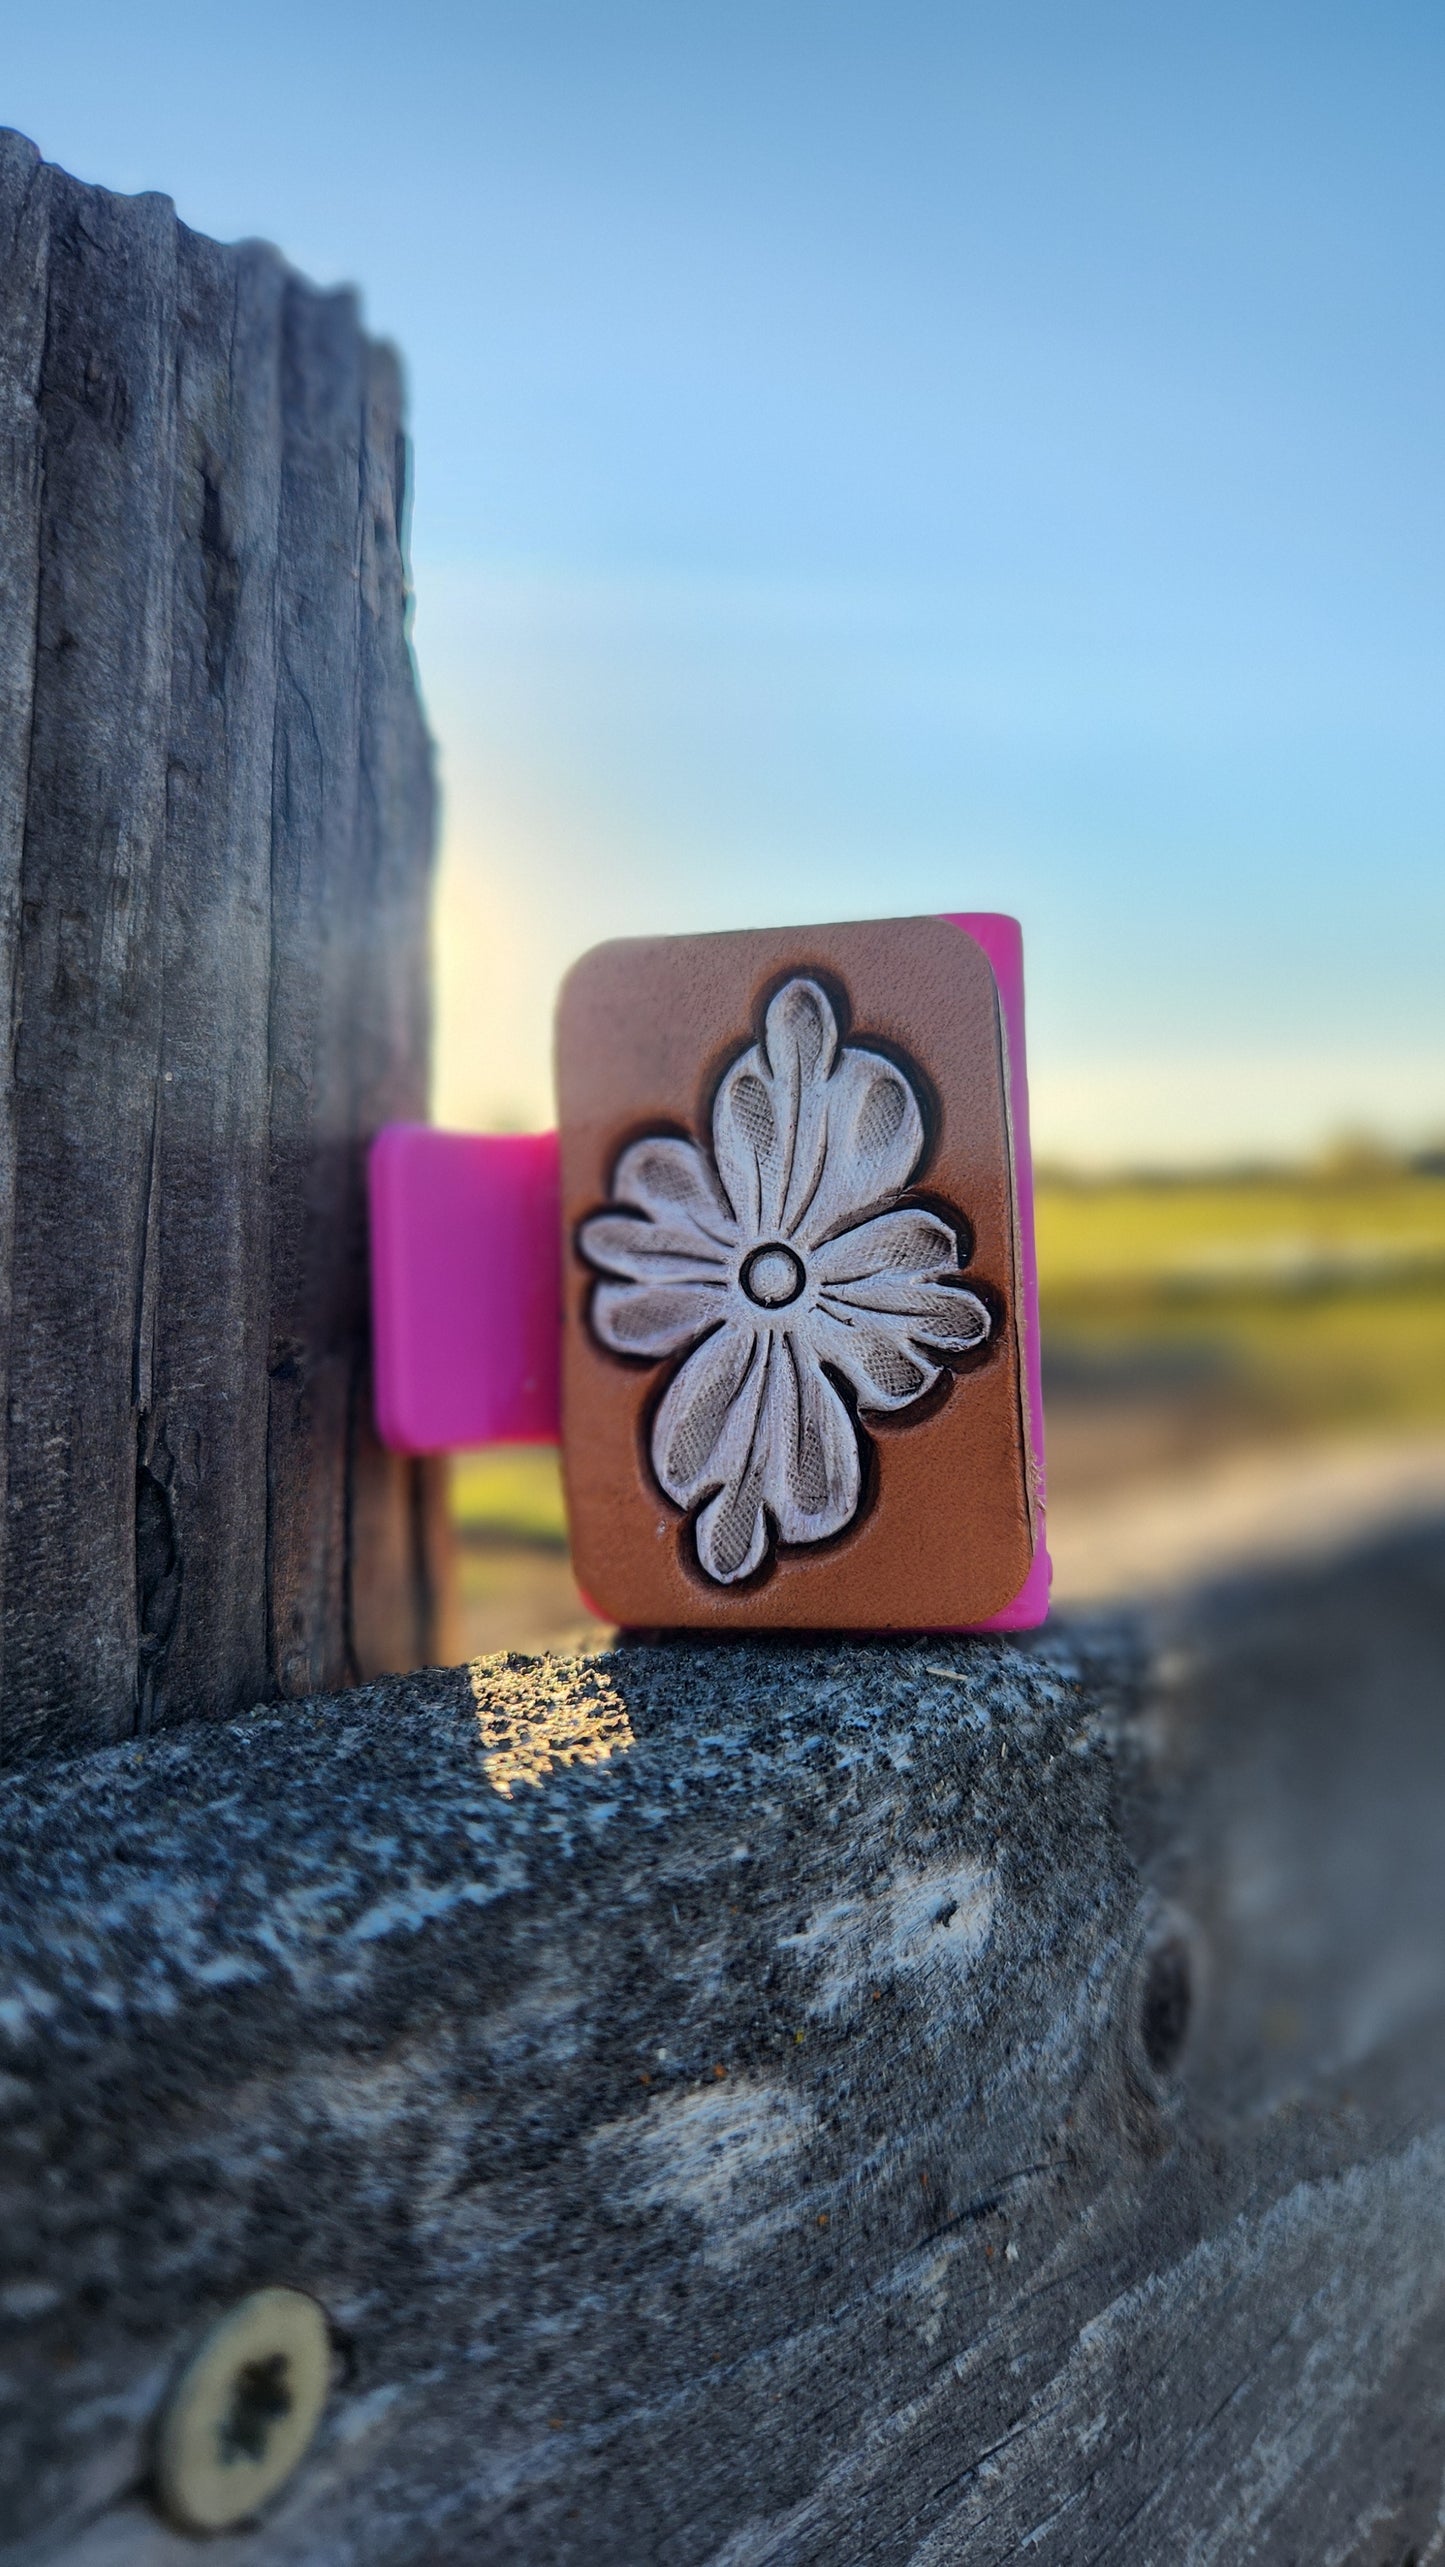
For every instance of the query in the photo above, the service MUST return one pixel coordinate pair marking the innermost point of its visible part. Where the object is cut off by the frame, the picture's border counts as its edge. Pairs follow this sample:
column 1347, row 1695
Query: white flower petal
column 623, row 1243
column 875, row 1354
column 872, row 1144
column 670, row 1178
column 703, row 1431
column 912, row 1240
column 800, row 1036
column 800, row 1040
column 749, row 1145
column 811, row 1471
column 945, row 1316
column 652, row 1319
column 770, row 1115
column 731, row 1531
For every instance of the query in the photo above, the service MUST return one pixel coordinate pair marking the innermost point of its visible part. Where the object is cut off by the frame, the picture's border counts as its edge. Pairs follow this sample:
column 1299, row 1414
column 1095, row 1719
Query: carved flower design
column 788, row 1265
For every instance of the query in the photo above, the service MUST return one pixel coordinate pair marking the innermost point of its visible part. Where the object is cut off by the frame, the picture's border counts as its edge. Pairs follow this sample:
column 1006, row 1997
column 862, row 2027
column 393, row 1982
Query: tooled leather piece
column 645, row 1029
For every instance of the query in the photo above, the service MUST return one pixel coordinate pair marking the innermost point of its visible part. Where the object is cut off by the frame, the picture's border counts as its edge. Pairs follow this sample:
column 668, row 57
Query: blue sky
column 886, row 457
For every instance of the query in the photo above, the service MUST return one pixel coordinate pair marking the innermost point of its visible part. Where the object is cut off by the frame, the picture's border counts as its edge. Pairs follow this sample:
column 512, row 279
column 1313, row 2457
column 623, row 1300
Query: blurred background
column 875, row 458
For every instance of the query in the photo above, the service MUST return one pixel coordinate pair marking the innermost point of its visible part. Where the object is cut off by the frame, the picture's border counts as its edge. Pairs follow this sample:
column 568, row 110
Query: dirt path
column 1236, row 1507
column 1133, row 1532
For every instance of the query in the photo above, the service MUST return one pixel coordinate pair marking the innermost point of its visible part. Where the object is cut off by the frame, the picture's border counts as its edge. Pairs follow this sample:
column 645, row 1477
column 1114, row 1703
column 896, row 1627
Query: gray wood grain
column 214, row 925
column 941, row 2103
column 24, row 254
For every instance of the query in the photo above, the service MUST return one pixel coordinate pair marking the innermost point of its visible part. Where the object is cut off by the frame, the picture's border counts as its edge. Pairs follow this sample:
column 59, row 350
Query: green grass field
column 513, row 1494
column 1301, row 1302
column 1315, row 1300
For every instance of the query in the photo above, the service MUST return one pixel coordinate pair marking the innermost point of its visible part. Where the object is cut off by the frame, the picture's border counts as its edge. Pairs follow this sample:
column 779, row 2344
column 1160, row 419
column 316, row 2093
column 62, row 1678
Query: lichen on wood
column 825, row 2104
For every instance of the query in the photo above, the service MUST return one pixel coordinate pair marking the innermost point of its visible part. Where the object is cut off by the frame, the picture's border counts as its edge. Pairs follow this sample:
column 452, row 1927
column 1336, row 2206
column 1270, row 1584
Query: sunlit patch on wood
column 539, row 1716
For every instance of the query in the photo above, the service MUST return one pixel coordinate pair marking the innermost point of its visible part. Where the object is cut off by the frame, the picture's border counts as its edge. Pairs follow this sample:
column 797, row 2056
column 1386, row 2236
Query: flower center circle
column 773, row 1277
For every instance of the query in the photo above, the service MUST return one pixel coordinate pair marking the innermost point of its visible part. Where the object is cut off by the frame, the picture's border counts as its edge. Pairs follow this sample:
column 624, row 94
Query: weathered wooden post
column 215, row 836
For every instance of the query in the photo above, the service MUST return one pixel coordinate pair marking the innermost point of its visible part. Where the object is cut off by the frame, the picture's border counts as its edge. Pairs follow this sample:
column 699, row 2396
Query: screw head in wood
column 240, row 2418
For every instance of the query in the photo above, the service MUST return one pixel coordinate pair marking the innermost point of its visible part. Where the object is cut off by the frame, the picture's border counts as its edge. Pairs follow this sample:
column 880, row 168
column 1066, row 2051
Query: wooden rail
column 911, row 2102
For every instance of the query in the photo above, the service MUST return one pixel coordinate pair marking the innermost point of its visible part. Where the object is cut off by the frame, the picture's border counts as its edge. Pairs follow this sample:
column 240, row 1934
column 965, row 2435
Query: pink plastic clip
column 1002, row 940
column 466, row 1288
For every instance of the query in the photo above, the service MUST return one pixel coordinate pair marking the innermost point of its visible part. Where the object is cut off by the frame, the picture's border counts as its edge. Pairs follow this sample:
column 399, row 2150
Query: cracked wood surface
column 939, row 2102
column 215, row 835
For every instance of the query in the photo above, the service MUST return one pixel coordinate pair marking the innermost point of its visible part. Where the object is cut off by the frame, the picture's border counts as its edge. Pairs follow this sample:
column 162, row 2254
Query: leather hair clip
column 771, row 1285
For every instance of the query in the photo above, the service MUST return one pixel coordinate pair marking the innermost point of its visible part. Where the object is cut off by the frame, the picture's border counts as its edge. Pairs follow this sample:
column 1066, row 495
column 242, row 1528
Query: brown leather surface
column 644, row 1029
